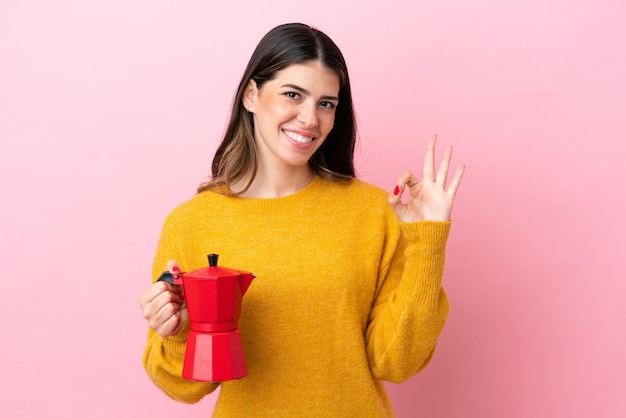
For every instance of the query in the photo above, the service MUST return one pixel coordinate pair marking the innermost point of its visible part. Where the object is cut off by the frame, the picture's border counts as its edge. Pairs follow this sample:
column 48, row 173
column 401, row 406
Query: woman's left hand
column 428, row 198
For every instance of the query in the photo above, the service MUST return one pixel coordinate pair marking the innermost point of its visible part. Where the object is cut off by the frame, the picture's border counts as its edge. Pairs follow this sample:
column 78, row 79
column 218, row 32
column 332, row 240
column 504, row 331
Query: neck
column 276, row 183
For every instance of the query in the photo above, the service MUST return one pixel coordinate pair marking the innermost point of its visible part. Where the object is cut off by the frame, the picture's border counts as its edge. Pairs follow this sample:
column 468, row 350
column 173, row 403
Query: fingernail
column 176, row 269
column 396, row 191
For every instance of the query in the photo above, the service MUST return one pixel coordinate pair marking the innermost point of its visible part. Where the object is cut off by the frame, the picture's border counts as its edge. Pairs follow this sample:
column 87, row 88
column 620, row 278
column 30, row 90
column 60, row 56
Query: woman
column 348, row 289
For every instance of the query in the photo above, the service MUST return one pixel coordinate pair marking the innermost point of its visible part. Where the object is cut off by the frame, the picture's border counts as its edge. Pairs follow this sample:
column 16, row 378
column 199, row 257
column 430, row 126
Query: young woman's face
column 293, row 113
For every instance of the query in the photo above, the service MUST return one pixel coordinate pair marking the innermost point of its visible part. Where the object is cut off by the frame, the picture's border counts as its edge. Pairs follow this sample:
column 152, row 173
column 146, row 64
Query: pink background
column 109, row 116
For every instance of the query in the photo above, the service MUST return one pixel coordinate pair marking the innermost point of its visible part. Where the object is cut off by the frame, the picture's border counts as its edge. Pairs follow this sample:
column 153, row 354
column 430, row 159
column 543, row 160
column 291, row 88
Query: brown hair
column 285, row 45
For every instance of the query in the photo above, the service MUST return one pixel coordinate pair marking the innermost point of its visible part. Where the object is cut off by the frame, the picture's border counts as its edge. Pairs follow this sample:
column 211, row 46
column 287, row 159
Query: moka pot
column 214, row 351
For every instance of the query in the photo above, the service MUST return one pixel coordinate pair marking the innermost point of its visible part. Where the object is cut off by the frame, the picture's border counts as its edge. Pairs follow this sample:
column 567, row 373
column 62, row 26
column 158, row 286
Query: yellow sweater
column 345, row 297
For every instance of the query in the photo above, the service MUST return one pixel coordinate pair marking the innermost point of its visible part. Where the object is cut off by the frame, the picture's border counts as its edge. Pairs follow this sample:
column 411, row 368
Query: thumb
column 173, row 267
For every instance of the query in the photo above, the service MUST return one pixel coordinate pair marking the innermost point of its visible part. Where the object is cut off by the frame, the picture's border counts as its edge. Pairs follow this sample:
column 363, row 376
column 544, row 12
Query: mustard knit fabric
column 346, row 296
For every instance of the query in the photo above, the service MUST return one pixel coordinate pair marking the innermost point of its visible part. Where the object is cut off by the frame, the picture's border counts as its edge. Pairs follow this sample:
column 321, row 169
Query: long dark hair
column 285, row 45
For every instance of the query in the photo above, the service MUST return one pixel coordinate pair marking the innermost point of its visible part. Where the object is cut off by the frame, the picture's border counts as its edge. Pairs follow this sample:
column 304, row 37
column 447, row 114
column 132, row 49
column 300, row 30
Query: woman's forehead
column 311, row 74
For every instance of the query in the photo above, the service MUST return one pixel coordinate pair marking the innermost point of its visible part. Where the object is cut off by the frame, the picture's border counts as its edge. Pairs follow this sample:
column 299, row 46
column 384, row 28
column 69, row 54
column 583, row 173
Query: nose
column 307, row 115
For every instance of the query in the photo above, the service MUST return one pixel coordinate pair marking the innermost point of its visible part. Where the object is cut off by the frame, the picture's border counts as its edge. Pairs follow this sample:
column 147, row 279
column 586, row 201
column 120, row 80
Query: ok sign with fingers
column 428, row 200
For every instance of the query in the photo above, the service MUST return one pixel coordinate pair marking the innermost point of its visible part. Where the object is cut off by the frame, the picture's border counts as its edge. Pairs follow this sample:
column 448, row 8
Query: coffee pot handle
column 166, row 276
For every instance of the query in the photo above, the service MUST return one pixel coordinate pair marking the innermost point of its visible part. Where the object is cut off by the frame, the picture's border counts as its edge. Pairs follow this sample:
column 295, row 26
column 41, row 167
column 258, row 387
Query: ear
column 250, row 96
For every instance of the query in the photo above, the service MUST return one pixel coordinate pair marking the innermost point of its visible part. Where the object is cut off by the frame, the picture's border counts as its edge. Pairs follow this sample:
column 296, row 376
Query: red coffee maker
column 213, row 294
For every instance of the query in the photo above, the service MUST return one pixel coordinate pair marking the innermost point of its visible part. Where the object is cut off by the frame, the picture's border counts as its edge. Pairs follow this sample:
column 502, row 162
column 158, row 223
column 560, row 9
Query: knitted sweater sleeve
column 163, row 356
column 410, row 307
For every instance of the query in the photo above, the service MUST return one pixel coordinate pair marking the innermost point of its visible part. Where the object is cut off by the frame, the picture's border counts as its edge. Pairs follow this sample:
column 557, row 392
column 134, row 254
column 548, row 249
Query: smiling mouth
column 299, row 138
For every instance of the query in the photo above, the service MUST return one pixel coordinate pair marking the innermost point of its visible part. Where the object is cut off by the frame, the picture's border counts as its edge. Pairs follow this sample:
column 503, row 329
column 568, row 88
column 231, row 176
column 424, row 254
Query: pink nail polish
column 396, row 191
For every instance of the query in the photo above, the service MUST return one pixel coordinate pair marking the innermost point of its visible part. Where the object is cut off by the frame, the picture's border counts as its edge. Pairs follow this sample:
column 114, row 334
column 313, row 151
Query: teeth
column 298, row 138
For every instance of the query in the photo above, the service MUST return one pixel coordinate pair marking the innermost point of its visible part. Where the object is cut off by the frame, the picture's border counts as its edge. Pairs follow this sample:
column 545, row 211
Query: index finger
column 154, row 291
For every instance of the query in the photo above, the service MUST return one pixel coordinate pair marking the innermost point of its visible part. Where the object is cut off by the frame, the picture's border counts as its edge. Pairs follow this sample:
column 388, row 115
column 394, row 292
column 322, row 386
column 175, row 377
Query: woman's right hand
column 164, row 306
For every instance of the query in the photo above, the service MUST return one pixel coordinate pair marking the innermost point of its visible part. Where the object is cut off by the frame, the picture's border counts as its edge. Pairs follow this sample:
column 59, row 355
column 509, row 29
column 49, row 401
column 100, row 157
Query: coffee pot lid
column 214, row 271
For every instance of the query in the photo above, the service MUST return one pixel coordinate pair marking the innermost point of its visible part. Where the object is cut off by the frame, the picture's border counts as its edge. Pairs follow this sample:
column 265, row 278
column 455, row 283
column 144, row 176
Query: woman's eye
column 292, row 95
column 328, row 105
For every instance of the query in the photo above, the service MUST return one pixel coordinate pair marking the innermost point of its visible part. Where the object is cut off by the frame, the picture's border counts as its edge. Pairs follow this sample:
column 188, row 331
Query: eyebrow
column 308, row 93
